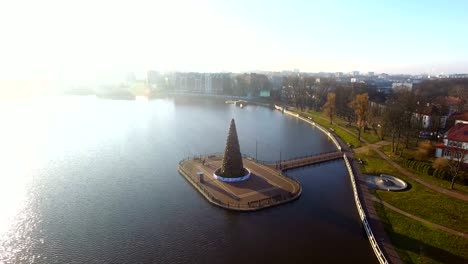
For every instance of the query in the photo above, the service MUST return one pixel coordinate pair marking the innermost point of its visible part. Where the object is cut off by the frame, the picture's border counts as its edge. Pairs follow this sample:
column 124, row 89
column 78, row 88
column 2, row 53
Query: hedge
column 443, row 174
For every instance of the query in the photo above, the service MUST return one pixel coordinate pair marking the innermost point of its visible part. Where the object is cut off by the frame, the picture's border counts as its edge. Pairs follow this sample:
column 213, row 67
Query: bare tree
column 375, row 119
column 392, row 121
column 399, row 118
column 454, row 164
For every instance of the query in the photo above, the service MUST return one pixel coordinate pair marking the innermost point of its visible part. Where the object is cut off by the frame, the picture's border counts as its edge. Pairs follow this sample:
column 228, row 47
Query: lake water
column 85, row 180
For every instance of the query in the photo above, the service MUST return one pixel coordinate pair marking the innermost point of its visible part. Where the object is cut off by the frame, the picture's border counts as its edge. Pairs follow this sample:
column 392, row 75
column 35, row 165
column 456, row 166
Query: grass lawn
column 417, row 243
column 344, row 135
column 370, row 135
column 418, row 200
column 436, row 181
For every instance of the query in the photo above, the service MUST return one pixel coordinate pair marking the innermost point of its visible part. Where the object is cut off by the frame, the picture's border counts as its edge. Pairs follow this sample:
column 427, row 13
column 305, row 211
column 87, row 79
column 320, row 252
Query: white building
column 208, row 84
column 430, row 116
column 455, row 145
column 402, row 85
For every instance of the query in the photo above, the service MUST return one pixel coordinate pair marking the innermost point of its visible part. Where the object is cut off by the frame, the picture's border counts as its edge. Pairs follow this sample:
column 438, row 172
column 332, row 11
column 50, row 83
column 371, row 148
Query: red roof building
column 455, row 143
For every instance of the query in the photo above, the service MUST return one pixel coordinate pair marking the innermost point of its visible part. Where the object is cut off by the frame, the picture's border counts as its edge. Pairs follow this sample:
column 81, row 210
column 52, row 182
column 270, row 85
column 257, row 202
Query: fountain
column 385, row 182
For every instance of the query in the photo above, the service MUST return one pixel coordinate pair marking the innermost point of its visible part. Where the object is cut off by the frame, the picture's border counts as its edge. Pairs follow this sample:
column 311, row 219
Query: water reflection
column 88, row 180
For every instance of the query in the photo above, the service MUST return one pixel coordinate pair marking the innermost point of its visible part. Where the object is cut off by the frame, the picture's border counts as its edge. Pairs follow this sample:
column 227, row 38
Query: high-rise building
column 338, row 74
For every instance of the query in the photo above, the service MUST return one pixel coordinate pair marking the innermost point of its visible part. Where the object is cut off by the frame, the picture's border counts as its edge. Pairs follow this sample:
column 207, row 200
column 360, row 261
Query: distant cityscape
column 219, row 83
column 439, row 98
column 262, row 83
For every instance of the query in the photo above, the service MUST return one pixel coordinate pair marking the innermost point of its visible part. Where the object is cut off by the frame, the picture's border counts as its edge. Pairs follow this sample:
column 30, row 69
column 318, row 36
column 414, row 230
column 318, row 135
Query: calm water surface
column 84, row 180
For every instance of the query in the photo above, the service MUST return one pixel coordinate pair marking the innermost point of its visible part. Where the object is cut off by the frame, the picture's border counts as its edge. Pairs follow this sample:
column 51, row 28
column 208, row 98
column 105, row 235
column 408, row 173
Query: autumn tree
column 424, row 150
column 330, row 106
column 360, row 105
column 440, row 163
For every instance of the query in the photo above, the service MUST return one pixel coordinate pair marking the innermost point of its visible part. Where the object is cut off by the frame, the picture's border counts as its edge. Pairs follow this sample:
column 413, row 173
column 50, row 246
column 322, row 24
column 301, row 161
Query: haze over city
column 85, row 41
column 233, row 131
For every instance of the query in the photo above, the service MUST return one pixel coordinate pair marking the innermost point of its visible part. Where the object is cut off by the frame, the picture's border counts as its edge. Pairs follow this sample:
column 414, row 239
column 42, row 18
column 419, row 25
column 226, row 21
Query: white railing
column 375, row 246
column 380, row 255
column 330, row 135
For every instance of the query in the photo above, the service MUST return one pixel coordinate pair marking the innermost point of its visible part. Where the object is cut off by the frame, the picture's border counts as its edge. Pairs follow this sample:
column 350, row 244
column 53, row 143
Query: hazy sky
column 70, row 40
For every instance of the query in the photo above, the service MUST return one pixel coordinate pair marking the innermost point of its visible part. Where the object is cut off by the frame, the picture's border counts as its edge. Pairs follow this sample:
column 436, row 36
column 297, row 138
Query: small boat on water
column 241, row 102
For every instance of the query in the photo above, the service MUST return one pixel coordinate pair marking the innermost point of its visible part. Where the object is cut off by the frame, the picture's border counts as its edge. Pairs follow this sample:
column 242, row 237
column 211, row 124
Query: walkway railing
column 295, row 162
column 306, row 160
column 258, row 204
column 324, row 130
column 375, row 246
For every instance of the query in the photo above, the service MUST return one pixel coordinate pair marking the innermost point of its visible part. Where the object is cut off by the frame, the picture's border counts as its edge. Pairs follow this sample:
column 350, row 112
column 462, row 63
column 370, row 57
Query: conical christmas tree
column 232, row 165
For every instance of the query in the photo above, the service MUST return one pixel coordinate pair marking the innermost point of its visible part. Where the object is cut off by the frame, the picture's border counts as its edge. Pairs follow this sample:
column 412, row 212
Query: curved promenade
column 390, row 255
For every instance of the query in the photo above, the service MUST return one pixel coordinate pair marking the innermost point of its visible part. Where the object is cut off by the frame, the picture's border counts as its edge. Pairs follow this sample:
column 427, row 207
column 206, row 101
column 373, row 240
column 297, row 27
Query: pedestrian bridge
column 305, row 161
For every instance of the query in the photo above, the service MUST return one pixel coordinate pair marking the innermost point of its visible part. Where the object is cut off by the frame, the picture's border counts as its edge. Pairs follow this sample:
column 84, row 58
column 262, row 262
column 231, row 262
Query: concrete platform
column 266, row 187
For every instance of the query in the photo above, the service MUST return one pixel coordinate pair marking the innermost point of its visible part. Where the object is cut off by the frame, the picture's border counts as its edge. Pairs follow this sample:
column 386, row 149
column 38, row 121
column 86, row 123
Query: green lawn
column 417, row 243
column 427, row 178
column 344, row 135
column 407, row 153
column 370, row 135
column 418, row 200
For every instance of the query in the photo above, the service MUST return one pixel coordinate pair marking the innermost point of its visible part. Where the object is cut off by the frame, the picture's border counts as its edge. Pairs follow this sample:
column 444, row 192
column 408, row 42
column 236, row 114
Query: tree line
column 391, row 116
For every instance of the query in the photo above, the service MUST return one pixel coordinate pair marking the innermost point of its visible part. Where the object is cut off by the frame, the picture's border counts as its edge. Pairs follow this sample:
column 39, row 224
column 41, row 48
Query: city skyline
column 84, row 41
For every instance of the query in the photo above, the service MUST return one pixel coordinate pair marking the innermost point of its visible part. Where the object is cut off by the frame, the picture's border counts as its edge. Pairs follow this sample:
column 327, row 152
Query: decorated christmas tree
column 232, row 165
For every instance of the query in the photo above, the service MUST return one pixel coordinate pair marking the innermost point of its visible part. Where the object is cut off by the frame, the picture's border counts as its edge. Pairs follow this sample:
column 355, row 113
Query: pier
column 266, row 187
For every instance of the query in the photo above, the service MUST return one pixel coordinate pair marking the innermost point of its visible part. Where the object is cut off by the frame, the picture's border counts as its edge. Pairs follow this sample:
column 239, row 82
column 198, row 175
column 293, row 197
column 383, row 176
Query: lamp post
column 315, row 103
column 256, row 150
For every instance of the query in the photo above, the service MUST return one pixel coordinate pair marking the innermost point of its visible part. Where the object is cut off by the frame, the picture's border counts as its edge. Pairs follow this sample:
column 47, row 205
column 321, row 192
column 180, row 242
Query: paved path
column 431, row 186
column 374, row 221
column 371, row 146
column 367, row 199
column 443, row 228
column 266, row 186
column 408, row 174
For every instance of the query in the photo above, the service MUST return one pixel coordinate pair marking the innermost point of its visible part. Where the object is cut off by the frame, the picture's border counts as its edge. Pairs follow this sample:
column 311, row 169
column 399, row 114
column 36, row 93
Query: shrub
column 440, row 163
column 430, row 171
column 438, row 169
column 423, row 151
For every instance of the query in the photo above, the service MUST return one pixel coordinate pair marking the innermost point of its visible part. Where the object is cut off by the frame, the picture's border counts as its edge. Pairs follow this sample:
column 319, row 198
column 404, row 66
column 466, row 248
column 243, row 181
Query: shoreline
column 362, row 214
